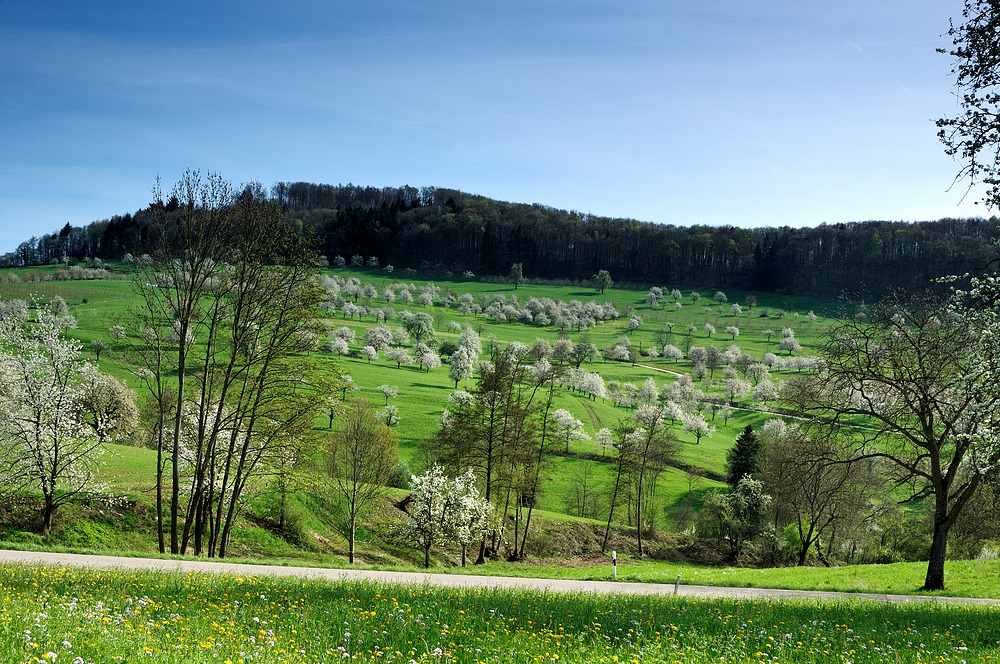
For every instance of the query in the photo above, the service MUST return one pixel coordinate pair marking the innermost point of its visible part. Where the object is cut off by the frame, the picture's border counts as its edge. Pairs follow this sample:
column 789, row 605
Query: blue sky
column 720, row 112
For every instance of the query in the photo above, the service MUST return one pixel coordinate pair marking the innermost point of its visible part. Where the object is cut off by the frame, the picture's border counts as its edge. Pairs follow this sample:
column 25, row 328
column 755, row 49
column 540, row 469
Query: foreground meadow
column 76, row 615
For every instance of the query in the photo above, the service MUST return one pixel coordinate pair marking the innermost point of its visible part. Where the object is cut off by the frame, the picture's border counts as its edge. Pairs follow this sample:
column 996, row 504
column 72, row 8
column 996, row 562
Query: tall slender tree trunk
column 159, row 479
column 614, row 501
column 175, row 452
column 350, row 543
column 538, row 469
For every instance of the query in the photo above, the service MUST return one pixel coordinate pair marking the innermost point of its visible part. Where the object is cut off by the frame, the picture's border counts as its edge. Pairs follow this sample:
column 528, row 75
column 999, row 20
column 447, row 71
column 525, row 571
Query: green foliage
column 744, row 457
column 602, row 281
column 516, row 275
column 467, row 232
column 400, row 476
column 740, row 516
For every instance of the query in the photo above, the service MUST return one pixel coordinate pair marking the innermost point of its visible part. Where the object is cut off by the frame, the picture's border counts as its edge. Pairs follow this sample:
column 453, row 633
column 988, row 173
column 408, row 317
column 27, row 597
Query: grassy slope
column 97, row 305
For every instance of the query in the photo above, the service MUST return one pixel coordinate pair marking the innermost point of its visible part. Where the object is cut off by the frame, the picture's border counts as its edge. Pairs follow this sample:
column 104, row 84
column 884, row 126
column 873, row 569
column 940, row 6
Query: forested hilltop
column 449, row 229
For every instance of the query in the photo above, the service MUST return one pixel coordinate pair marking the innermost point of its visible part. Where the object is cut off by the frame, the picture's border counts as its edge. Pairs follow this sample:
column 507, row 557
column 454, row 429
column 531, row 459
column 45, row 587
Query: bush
column 400, row 476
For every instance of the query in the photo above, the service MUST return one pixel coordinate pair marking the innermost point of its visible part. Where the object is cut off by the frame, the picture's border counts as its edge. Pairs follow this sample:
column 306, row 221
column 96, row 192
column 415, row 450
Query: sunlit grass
column 84, row 616
column 100, row 304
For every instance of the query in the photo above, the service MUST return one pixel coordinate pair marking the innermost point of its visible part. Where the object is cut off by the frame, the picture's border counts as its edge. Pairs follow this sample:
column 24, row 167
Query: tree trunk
column 427, row 556
column 350, row 543
column 481, row 558
column 175, row 451
column 807, row 541
column 935, row 564
column 611, row 507
column 638, row 523
column 159, row 488
column 47, row 513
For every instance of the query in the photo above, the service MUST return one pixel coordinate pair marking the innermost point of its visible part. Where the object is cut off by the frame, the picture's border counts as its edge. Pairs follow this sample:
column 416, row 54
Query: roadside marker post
column 614, row 564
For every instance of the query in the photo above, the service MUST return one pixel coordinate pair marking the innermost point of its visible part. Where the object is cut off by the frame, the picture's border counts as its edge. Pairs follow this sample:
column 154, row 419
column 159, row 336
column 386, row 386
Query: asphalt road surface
column 451, row 580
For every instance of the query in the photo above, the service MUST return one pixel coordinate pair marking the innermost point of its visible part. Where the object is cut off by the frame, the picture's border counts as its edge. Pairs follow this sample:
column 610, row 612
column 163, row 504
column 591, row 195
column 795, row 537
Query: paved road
column 452, row 580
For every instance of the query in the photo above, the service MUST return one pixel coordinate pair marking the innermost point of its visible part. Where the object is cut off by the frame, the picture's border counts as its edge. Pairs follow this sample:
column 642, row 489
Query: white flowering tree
column 429, row 360
column 389, row 415
column 443, row 510
column 400, row 356
column 379, row 337
column 388, row 391
column 568, row 428
column 697, row 426
column 107, row 405
column 472, row 515
column 765, row 391
column 604, row 440
column 462, row 365
column 45, row 441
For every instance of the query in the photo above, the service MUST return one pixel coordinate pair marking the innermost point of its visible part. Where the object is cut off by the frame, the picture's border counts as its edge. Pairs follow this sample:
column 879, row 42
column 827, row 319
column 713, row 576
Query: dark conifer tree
column 744, row 458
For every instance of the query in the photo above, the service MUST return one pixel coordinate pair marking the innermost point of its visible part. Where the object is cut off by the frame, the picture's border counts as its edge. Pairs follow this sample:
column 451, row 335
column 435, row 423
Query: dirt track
column 452, row 580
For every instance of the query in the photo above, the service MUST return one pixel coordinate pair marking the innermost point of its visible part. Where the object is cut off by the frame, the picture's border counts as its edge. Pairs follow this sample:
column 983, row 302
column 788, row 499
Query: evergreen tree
column 744, row 458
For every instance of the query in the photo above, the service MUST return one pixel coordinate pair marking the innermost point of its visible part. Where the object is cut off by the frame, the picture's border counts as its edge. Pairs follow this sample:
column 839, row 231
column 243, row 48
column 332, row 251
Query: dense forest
column 451, row 230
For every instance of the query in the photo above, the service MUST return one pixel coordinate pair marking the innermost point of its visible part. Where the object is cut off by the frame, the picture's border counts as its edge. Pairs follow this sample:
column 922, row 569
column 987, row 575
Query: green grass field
column 422, row 394
column 78, row 615
column 130, row 470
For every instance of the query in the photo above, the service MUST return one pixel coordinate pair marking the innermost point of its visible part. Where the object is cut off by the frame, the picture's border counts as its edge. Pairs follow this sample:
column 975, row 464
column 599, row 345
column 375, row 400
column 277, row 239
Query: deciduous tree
column 568, row 428
column 232, row 283
column 602, row 281
column 46, row 442
column 923, row 380
column 973, row 136
column 516, row 275
column 360, row 457
column 814, row 484
column 445, row 509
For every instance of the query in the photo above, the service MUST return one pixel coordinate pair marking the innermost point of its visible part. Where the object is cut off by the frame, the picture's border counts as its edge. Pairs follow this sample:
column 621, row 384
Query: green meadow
column 52, row 614
column 422, row 395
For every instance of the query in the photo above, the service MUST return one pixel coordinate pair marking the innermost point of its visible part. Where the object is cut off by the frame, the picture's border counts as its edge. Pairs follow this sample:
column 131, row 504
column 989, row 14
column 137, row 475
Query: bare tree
column 494, row 433
column 225, row 299
column 814, row 485
column 360, row 456
column 646, row 444
column 911, row 374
